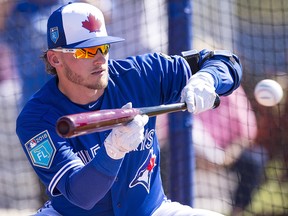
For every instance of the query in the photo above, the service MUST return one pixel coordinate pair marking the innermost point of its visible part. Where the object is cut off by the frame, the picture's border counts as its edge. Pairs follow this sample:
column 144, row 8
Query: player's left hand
column 199, row 93
column 127, row 137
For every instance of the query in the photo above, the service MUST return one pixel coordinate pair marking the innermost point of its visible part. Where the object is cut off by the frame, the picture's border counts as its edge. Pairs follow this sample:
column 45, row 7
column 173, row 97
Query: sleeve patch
column 41, row 150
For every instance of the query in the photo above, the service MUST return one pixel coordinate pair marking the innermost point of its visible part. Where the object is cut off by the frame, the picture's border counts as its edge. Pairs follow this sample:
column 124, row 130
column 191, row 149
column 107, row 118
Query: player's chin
column 100, row 83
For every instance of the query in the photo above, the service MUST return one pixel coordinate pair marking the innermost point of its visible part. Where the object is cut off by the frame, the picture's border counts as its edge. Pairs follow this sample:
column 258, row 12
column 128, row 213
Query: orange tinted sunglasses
column 89, row 52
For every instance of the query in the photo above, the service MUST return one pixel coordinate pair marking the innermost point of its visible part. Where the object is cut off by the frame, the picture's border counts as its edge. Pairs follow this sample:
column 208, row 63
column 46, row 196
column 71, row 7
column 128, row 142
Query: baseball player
column 114, row 172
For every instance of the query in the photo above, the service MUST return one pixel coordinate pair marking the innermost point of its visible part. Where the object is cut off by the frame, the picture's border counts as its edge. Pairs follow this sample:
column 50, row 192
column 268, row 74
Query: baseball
column 268, row 92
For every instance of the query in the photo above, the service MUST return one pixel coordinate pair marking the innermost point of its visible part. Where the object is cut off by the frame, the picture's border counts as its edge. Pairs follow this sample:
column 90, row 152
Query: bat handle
column 153, row 111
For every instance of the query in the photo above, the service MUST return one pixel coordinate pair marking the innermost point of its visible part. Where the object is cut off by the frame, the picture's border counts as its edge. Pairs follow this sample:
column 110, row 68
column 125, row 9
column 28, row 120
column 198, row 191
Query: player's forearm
column 226, row 71
column 87, row 186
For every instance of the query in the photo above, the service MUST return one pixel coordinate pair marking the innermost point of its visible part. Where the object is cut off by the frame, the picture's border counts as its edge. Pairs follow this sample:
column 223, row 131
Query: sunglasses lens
column 91, row 51
column 80, row 53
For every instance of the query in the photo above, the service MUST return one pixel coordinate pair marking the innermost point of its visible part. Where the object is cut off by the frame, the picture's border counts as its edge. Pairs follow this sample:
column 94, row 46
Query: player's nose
column 99, row 58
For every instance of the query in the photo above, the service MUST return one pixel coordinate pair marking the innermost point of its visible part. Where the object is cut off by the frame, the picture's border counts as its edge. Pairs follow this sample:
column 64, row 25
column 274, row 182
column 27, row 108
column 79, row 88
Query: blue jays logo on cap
column 41, row 150
column 54, row 34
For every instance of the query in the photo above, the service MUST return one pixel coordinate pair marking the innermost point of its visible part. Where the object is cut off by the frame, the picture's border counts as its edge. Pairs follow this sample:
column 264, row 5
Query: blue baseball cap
column 77, row 25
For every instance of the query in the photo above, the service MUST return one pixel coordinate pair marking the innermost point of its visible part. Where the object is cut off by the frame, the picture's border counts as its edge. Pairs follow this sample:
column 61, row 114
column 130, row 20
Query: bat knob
column 216, row 102
column 63, row 128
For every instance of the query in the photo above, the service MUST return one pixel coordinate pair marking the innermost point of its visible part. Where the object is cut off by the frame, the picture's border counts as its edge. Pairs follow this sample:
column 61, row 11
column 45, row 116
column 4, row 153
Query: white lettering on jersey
column 148, row 140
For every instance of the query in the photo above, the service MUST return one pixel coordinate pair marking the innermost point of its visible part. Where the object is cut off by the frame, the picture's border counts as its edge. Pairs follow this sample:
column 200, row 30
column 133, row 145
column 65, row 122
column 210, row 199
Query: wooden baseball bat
column 96, row 121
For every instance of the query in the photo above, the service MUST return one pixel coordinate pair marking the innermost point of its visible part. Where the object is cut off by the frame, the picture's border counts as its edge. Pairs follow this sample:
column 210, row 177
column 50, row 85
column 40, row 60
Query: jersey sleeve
column 151, row 79
column 59, row 167
column 226, row 71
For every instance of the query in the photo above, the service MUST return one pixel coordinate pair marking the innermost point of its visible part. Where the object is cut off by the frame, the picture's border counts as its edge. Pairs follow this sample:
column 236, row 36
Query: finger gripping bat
column 96, row 121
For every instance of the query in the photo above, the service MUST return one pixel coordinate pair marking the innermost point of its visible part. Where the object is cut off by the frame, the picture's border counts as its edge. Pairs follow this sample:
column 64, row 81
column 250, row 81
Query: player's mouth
column 98, row 71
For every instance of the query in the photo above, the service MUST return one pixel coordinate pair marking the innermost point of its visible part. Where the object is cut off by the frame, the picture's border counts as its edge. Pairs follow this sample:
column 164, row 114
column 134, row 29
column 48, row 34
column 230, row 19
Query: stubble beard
column 101, row 83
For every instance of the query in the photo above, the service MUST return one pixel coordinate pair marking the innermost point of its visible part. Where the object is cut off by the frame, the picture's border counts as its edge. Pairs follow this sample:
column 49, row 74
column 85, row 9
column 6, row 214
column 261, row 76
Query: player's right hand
column 199, row 93
column 126, row 138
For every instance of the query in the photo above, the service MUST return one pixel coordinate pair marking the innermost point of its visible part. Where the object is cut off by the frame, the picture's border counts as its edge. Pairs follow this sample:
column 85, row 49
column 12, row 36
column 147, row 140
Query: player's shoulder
column 140, row 61
column 33, row 111
column 42, row 102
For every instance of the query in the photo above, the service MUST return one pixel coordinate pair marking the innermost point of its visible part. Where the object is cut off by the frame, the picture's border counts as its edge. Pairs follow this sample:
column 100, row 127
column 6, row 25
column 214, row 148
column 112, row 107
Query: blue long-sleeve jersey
column 81, row 179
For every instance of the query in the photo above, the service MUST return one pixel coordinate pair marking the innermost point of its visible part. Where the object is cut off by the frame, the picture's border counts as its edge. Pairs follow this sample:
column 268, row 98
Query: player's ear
column 53, row 58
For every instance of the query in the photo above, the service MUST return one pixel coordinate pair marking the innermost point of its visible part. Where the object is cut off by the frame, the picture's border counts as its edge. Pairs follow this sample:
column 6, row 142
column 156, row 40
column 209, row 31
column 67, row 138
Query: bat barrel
column 84, row 123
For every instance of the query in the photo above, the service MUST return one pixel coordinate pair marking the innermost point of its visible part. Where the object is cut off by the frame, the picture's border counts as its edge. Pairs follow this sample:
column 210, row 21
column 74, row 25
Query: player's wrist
column 202, row 76
column 114, row 152
column 105, row 164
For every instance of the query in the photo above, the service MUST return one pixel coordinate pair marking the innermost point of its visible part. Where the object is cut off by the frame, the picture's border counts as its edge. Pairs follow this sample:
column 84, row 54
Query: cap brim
column 95, row 42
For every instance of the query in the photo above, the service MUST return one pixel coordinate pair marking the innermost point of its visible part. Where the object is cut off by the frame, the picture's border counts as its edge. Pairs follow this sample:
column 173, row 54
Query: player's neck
column 80, row 94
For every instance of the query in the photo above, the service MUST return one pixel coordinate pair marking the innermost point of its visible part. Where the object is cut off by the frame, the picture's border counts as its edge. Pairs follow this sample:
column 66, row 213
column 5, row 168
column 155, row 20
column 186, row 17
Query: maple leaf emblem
column 92, row 24
column 152, row 163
